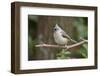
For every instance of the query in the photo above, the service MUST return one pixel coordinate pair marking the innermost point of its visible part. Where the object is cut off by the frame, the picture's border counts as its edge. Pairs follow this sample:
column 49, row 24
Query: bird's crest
column 57, row 26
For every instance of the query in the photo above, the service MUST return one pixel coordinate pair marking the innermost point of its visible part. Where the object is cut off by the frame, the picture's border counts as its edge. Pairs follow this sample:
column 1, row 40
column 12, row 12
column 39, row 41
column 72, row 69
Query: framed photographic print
column 52, row 37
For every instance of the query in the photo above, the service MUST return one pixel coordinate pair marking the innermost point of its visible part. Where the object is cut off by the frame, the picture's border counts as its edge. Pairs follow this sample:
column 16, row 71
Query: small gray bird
column 61, row 37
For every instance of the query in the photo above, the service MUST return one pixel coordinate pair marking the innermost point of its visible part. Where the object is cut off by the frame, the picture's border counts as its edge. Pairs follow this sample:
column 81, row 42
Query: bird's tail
column 73, row 41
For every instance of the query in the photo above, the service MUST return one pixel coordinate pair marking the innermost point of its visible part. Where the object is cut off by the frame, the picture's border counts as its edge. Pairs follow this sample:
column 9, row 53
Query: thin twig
column 59, row 46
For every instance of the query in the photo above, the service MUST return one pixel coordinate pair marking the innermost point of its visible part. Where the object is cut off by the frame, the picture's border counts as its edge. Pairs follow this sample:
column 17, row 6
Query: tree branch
column 59, row 46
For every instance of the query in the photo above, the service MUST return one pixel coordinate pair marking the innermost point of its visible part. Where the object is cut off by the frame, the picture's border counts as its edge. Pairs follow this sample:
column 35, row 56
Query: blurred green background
column 40, row 30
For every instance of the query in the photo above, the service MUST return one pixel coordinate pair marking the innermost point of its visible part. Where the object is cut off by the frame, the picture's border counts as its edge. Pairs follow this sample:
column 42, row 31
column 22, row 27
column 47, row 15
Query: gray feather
column 67, row 36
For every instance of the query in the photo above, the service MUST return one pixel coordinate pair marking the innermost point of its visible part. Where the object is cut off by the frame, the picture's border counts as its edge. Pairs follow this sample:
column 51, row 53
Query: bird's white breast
column 59, row 39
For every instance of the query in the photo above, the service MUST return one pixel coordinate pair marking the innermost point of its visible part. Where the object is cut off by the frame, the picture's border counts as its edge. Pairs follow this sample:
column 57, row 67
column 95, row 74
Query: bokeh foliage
column 32, row 34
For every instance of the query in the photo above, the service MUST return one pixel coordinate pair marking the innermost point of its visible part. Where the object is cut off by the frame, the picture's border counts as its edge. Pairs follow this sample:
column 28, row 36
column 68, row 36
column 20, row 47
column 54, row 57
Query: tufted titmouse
column 60, row 36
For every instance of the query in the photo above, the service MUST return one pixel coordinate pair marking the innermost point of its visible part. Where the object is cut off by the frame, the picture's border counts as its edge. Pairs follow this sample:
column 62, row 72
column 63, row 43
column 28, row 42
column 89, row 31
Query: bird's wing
column 67, row 36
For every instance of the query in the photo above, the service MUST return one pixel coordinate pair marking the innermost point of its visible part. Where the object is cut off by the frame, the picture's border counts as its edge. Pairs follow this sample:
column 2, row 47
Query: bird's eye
column 55, row 29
